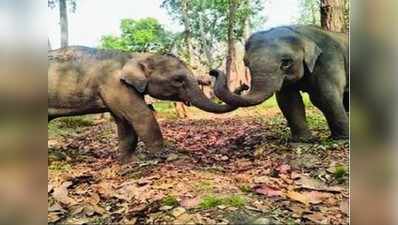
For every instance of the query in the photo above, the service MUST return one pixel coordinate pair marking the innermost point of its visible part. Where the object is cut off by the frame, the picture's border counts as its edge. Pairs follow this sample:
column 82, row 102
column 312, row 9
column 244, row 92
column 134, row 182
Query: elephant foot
column 126, row 158
column 153, row 156
column 339, row 137
column 307, row 138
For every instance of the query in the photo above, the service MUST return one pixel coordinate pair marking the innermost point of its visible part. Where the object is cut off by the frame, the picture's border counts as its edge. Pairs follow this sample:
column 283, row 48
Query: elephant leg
column 292, row 106
column 346, row 101
column 124, row 103
column 330, row 102
column 128, row 139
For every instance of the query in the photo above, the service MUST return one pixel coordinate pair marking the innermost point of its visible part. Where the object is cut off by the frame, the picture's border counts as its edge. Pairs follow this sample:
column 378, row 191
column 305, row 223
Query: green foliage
column 74, row 122
column 245, row 188
column 170, row 201
column 207, row 22
column 165, row 109
column 59, row 166
column 309, row 12
column 235, row 201
column 204, row 186
column 67, row 125
column 340, row 173
column 143, row 35
column 212, row 201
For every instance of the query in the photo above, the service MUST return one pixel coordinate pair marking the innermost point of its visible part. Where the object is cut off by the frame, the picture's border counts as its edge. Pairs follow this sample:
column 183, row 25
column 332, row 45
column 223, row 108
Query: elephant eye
column 286, row 63
column 179, row 79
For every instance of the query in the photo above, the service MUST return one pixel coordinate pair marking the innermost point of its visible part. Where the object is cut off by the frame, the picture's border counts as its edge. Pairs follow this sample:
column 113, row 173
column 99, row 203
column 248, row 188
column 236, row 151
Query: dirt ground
column 236, row 168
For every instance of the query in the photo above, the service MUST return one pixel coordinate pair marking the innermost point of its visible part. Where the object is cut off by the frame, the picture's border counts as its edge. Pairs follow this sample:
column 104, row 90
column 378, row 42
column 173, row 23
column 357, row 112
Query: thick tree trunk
column 63, row 16
column 332, row 15
column 231, row 67
column 246, row 35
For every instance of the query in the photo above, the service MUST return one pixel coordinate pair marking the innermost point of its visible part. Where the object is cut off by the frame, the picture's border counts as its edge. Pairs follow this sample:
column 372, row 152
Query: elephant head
column 166, row 77
column 276, row 57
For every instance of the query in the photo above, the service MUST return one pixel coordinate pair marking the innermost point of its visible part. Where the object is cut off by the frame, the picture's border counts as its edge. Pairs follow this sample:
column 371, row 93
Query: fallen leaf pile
column 224, row 170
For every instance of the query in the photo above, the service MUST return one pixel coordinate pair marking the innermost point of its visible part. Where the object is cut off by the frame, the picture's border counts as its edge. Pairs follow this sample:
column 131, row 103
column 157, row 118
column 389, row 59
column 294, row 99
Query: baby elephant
column 290, row 59
column 84, row 80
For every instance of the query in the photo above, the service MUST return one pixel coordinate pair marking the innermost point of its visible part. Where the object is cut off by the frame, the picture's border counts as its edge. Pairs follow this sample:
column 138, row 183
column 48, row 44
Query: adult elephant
column 289, row 59
column 84, row 80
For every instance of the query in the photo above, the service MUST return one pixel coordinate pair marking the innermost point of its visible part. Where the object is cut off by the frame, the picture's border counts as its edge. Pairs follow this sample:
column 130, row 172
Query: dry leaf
column 105, row 189
column 95, row 199
column 284, row 169
column 56, row 208
column 190, row 203
column 317, row 218
column 306, row 182
column 144, row 181
column 184, row 219
column 177, row 212
column 53, row 217
column 297, row 211
column 298, row 197
column 61, row 194
column 316, row 197
column 267, row 191
column 345, row 207
column 261, row 180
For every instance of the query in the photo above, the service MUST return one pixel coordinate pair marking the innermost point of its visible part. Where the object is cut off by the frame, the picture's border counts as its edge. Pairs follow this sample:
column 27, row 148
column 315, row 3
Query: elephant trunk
column 260, row 90
column 198, row 99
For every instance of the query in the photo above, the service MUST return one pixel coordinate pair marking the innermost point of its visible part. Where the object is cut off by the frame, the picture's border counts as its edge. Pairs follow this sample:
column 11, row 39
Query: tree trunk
column 332, row 15
column 63, row 16
column 204, row 43
column 181, row 111
column 231, row 68
column 187, row 27
column 246, row 35
column 48, row 44
column 313, row 13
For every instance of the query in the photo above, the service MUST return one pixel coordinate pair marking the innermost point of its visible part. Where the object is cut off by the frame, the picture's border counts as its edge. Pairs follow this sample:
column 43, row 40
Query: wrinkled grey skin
column 83, row 80
column 287, row 60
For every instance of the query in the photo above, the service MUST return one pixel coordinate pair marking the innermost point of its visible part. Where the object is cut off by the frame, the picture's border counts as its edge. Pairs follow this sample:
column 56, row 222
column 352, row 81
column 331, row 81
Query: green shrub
column 212, row 201
column 170, row 201
column 74, row 122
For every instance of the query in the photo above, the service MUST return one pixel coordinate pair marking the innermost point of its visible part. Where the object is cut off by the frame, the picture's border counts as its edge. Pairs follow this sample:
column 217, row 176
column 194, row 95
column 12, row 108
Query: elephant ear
column 136, row 74
column 311, row 53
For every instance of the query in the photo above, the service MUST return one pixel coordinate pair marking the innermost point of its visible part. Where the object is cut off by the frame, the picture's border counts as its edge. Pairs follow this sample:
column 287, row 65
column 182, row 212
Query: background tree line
column 214, row 31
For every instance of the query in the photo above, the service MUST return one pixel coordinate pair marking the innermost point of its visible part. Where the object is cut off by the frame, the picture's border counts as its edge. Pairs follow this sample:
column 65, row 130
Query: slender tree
column 63, row 16
column 187, row 30
column 209, row 22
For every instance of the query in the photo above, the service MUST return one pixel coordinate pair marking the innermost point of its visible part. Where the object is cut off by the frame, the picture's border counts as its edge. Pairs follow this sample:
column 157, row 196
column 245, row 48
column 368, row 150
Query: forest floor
column 235, row 168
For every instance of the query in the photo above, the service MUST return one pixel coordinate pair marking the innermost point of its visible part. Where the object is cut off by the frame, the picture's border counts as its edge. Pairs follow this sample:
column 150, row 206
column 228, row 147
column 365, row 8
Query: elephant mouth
column 187, row 102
